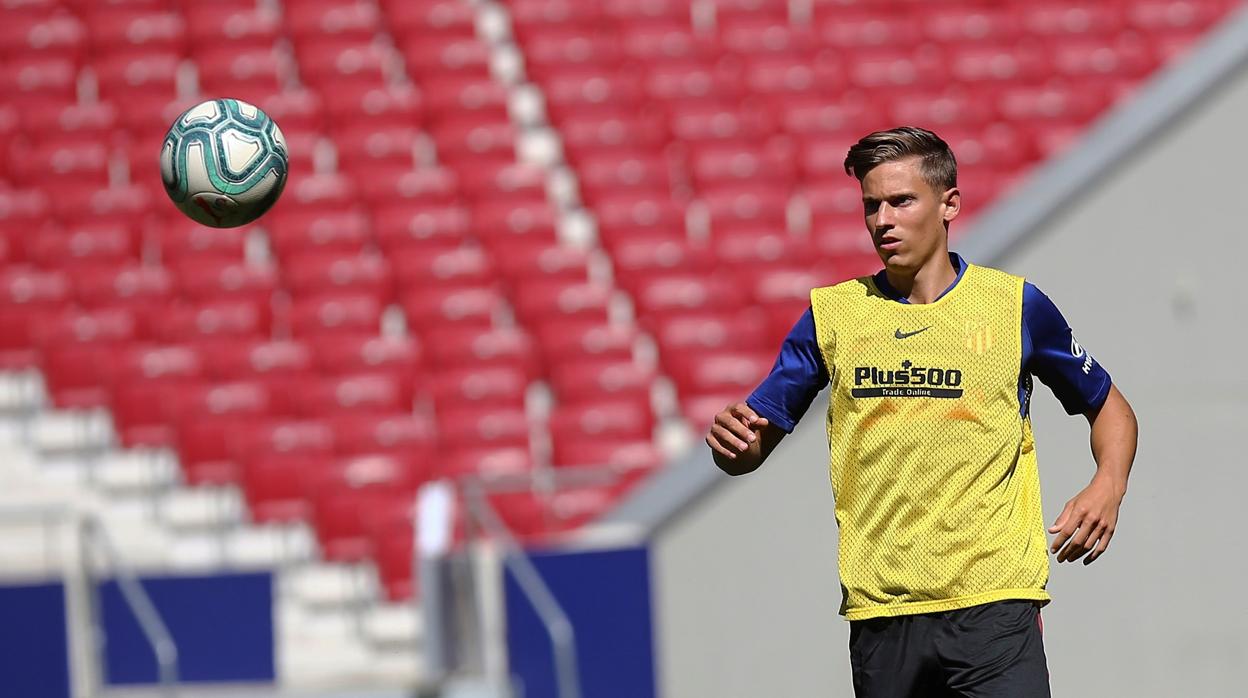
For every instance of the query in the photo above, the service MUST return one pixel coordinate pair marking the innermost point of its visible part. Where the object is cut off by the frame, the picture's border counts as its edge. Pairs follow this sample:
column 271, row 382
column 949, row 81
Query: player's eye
column 870, row 207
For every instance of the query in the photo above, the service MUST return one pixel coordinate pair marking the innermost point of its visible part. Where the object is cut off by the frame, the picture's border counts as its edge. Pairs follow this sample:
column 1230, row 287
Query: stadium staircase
column 537, row 242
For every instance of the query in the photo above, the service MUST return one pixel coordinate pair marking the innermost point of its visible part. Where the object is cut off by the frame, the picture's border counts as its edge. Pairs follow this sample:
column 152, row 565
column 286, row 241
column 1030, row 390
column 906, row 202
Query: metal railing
column 93, row 539
column 535, row 589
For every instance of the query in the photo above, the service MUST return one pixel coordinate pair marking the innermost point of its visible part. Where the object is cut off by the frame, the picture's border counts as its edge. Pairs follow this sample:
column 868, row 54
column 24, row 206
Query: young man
column 942, row 541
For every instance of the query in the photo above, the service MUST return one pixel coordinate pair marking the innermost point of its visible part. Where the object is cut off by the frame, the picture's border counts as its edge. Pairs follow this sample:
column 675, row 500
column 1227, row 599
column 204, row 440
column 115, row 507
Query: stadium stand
column 506, row 244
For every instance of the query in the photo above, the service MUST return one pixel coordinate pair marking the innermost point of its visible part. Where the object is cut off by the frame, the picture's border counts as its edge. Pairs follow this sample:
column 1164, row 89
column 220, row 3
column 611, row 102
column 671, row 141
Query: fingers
column 729, row 439
column 1101, row 546
column 1081, row 542
column 1064, row 527
column 747, row 415
column 738, row 425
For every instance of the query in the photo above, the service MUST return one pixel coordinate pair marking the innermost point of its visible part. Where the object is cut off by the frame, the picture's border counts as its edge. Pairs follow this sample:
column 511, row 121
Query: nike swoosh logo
column 902, row 335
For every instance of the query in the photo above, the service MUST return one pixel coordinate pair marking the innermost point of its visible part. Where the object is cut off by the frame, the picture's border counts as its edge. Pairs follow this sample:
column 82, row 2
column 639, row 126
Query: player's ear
column 951, row 201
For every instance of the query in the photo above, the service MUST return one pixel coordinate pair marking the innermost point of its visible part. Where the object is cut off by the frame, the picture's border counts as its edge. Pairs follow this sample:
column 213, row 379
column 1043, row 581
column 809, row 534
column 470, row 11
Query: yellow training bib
column 932, row 461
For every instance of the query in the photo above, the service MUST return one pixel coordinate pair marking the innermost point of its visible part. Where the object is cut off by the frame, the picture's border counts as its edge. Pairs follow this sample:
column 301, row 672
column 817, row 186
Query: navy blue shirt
column 1050, row 353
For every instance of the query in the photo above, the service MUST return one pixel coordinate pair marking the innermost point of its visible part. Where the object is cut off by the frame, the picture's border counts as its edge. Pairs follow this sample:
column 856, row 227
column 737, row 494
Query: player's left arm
column 1087, row 523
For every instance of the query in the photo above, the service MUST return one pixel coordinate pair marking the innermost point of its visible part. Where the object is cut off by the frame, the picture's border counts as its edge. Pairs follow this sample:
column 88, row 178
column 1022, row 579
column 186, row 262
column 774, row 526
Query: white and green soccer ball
column 224, row 163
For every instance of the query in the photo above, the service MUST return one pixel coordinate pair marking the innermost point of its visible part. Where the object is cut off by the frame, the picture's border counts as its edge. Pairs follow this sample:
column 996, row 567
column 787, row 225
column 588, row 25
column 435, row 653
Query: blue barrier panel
column 222, row 625
column 606, row 595
column 34, row 646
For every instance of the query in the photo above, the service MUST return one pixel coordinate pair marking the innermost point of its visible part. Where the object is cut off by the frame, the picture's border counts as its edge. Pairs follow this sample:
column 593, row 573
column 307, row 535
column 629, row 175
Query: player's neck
column 926, row 283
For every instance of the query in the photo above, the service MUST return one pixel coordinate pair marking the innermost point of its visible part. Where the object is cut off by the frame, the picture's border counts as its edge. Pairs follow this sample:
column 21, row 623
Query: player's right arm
column 743, row 434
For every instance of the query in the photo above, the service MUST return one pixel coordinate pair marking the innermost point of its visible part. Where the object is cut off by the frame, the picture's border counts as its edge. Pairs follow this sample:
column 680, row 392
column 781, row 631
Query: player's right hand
column 735, row 430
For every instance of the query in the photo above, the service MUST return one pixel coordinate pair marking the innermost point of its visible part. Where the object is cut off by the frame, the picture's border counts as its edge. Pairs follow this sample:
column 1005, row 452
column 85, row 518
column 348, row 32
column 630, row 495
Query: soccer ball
column 224, row 163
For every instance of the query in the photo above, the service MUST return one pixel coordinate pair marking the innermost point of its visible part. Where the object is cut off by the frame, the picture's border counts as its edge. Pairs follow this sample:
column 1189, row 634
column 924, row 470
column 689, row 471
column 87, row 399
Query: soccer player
column 942, row 541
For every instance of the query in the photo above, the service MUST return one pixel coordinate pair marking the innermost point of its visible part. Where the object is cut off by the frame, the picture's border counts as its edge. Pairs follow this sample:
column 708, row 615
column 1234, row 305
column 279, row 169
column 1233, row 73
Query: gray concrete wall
column 1147, row 267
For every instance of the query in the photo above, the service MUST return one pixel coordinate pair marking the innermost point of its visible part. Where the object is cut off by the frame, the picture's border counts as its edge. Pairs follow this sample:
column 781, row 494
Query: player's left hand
column 1087, row 523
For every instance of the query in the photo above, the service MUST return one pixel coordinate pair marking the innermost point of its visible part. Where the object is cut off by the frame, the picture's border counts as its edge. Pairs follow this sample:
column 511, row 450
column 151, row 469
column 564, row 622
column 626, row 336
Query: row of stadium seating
column 392, row 319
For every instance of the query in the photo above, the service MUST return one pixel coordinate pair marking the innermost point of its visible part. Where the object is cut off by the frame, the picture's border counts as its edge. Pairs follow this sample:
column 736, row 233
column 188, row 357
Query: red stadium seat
column 180, row 243
column 450, row 347
column 26, row 295
column 248, row 26
column 428, row 56
column 52, row 34
column 384, row 105
column 430, row 18
column 143, row 289
column 326, row 63
column 357, row 19
column 762, row 205
column 320, row 272
column 600, row 379
column 547, row 299
column 57, row 120
column 1023, row 61
column 947, row 107
column 376, row 392
column 559, row 49
column 435, row 306
column 846, row 119
column 342, row 494
column 1128, row 56
column 455, row 96
column 404, row 224
column 639, row 255
column 146, row 383
column 321, row 230
column 498, row 221
column 730, row 162
column 621, row 455
column 626, row 214
column 369, row 353
column 242, row 318
column 486, row 462
column 275, row 485
column 606, row 173
column 25, row 77
column 745, row 250
column 523, row 261
column 110, row 27
column 474, row 138
column 710, row 121
column 889, row 66
column 721, row 371
column 493, row 181
column 865, row 27
column 398, row 433
column 711, row 330
column 958, row 24
column 152, row 73
column 611, row 131
column 202, row 279
column 607, row 418
column 563, row 340
column 242, row 359
column 753, row 35
column 76, row 349
column 337, row 313
column 669, row 38
column 417, row 268
column 390, row 146
column 680, row 292
column 428, row 186
column 393, row 545
column 104, row 244
column 246, row 72
column 1071, row 17
column 487, row 386
column 295, row 109
column 83, row 161
column 257, row 438
column 207, row 415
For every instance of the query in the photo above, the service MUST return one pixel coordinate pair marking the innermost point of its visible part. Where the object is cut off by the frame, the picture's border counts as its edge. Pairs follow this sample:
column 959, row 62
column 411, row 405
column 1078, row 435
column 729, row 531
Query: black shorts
column 982, row 652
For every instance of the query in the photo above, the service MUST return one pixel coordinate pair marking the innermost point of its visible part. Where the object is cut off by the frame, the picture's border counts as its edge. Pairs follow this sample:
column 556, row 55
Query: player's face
column 905, row 215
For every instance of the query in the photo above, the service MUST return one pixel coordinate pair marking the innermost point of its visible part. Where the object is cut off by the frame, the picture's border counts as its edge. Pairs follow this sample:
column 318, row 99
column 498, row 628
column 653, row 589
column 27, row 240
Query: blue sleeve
column 796, row 378
column 1051, row 354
